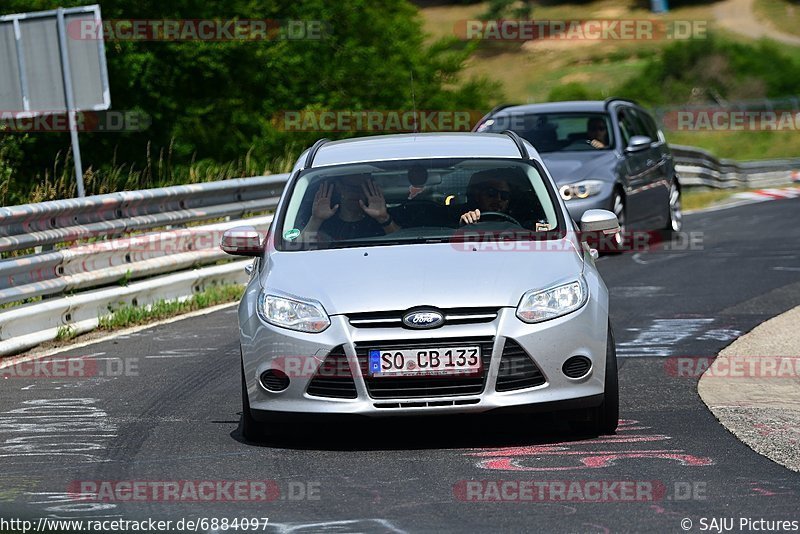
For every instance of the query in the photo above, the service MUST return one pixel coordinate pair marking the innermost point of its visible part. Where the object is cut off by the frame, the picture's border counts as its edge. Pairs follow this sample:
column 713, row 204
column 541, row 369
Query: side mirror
column 638, row 142
column 241, row 241
column 595, row 222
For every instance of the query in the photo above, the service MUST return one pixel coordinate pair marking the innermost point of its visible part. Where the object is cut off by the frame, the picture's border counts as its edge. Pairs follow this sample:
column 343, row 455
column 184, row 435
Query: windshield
column 416, row 201
column 558, row 132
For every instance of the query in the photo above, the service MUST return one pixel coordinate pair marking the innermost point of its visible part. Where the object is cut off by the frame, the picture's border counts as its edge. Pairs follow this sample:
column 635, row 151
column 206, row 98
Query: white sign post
column 49, row 67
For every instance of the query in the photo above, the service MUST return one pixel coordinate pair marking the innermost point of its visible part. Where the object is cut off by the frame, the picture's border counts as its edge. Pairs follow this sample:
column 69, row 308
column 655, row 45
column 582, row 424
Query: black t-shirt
column 339, row 230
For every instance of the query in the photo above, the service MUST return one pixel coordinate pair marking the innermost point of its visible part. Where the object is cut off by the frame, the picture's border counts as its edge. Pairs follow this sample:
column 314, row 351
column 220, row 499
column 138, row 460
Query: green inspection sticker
column 291, row 235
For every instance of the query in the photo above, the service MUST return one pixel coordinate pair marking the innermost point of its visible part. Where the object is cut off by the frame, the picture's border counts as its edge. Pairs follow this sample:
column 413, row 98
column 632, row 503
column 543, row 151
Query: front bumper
column 548, row 345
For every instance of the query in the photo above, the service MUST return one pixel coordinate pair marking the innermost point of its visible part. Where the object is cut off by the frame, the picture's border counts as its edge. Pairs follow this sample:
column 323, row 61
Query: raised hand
column 375, row 206
column 322, row 209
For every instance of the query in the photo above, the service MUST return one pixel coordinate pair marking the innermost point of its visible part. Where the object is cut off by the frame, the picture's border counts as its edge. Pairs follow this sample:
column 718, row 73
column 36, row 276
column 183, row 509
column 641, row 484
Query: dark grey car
column 627, row 169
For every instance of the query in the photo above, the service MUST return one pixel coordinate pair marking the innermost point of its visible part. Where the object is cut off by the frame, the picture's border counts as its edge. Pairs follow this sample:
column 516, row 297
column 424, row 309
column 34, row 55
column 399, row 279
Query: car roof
column 417, row 146
column 592, row 106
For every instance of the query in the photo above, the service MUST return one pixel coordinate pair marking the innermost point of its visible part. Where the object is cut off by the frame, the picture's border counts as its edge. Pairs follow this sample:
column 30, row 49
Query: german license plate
column 425, row 361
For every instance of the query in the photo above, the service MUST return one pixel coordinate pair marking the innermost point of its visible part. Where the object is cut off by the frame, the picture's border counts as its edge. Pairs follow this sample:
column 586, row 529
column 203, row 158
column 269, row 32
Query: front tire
column 250, row 428
column 604, row 419
column 607, row 415
column 675, row 222
column 617, row 244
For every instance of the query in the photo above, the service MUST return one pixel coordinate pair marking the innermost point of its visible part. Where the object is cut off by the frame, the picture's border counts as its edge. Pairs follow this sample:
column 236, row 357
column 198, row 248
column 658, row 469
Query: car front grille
column 405, row 387
column 394, row 319
column 333, row 378
column 517, row 370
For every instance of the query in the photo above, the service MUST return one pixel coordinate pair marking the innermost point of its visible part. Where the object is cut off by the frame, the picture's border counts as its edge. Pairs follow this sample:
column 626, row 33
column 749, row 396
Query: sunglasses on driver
column 496, row 193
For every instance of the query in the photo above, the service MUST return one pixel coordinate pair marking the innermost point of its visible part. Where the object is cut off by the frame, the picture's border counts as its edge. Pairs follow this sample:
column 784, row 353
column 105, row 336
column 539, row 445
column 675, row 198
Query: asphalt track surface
column 173, row 415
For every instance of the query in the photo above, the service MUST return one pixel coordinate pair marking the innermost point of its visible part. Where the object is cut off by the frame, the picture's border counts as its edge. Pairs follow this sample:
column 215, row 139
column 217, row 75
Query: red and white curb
column 769, row 194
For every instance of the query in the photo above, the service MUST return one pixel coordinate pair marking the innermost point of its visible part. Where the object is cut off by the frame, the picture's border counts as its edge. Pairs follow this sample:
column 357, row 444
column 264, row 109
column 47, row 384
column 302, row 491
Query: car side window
column 629, row 124
column 648, row 125
column 651, row 127
column 625, row 128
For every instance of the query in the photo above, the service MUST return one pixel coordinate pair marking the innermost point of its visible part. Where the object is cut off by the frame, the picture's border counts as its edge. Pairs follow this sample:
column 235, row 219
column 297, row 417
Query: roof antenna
column 414, row 102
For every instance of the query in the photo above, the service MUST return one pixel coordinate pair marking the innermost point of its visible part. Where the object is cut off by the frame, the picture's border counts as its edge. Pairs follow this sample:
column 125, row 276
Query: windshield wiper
column 387, row 242
column 364, row 243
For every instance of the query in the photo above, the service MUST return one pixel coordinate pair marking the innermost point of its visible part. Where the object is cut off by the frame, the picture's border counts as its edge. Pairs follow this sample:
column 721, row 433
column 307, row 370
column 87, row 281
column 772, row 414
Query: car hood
column 570, row 167
column 403, row 276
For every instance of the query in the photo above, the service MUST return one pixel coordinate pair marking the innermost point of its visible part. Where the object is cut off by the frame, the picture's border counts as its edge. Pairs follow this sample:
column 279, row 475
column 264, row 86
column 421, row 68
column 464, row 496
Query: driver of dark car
column 597, row 132
column 487, row 191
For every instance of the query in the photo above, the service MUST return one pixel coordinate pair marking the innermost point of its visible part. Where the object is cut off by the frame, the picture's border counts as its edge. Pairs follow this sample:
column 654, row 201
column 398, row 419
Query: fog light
column 274, row 380
column 577, row 366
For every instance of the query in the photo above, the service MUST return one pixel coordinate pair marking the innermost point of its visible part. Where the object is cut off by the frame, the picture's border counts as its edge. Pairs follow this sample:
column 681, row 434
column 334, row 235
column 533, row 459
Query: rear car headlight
column 542, row 305
column 300, row 315
column 583, row 189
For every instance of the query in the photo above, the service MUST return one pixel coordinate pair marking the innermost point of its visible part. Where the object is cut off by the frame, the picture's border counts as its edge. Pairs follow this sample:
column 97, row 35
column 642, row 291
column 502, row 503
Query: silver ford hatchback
column 424, row 274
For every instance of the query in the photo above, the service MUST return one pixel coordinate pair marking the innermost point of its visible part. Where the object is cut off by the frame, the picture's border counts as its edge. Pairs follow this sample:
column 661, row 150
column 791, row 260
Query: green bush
column 573, row 91
column 216, row 100
column 713, row 69
column 10, row 157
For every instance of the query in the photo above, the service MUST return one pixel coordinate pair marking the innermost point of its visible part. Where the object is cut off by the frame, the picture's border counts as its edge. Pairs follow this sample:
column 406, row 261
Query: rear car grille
column 517, row 370
column 425, row 386
column 333, row 378
column 394, row 319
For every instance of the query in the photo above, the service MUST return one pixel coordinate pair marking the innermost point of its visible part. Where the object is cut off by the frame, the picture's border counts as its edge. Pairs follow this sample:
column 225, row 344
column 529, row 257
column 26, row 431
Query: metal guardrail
column 27, row 326
column 107, row 262
column 59, row 221
column 73, row 286
column 699, row 167
column 76, row 284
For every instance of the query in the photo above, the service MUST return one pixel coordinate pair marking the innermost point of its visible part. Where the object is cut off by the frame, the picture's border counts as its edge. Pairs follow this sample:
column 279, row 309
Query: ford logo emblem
column 423, row 319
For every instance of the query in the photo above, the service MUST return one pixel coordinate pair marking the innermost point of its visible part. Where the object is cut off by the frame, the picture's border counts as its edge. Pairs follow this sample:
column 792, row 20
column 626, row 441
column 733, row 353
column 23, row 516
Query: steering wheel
column 499, row 215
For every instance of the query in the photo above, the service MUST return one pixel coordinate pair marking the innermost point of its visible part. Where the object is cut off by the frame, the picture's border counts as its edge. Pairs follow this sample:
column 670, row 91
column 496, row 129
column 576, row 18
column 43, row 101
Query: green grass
column 16, row 303
column 783, row 15
column 58, row 183
column 530, row 72
column 742, row 145
column 163, row 309
column 65, row 333
column 696, row 198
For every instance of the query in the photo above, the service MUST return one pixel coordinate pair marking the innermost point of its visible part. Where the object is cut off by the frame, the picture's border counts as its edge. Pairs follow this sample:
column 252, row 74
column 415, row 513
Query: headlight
column 303, row 316
column 582, row 189
column 542, row 305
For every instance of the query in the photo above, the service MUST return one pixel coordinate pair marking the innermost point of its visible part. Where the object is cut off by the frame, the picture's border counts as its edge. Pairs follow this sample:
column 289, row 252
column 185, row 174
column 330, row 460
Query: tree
column 217, row 99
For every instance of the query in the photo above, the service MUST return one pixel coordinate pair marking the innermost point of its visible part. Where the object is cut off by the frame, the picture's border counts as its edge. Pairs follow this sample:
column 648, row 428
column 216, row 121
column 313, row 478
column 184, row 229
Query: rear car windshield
column 416, row 201
column 557, row 132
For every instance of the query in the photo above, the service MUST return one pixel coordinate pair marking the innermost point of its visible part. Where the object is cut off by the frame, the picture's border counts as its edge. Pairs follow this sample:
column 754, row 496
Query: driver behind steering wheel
column 487, row 191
